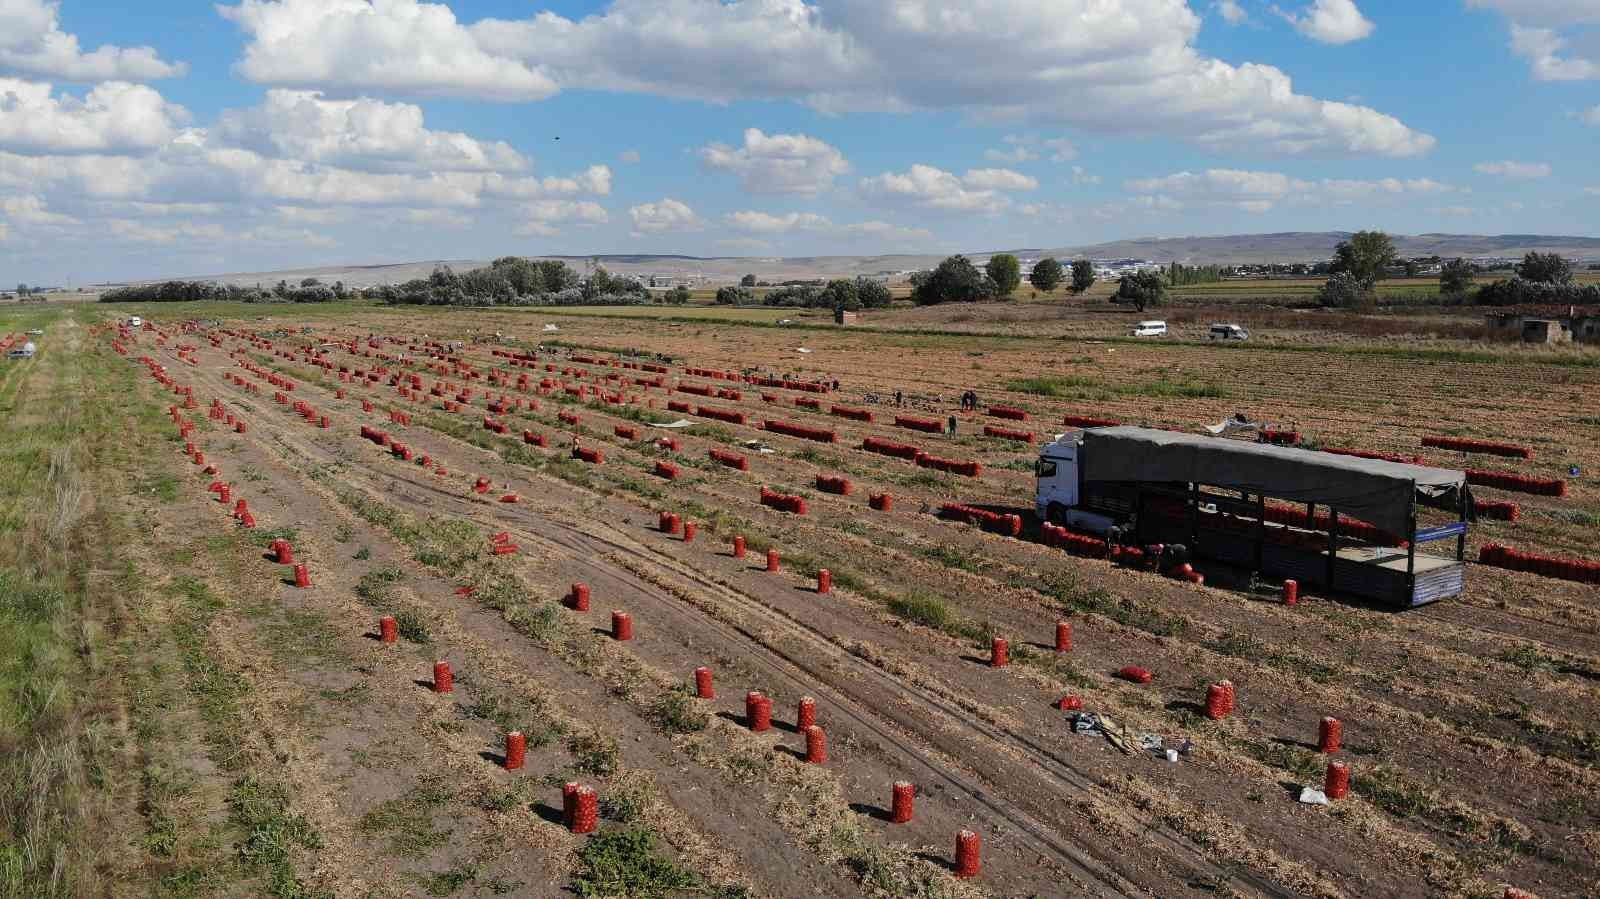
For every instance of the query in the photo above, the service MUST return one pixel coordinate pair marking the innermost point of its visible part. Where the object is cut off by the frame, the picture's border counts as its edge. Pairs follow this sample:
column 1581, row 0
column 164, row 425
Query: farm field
column 230, row 731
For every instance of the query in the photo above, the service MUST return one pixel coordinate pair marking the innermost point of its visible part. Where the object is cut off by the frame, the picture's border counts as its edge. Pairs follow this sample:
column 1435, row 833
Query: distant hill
column 1231, row 249
column 1311, row 246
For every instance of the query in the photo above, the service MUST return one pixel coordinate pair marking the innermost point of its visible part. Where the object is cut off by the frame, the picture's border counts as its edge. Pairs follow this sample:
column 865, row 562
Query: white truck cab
column 1154, row 328
column 1059, row 487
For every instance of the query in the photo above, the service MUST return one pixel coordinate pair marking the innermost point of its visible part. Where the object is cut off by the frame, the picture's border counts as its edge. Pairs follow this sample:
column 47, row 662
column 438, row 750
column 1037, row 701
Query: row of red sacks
column 1484, row 447
column 783, row 502
column 798, row 430
column 994, row 522
column 1580, row 570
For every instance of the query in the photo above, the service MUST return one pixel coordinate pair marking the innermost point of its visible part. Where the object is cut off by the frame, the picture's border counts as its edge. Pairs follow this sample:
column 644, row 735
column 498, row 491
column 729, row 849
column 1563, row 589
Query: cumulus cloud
column 1026, row 148
column 663, row 216
column 999, row 179
column 1232, row 12
column 544, row 217
column 1512, row 170
column 1258, row 192
column 1098, row 59
column 756, row 222
column 1331, row 22
column 933, row 188
column 1080, row 175
column 363, row 134
column 112, row 117
column 778, row 163
column 399, row 46
column 1541, row 32
column 32, row 43
column 31, row 210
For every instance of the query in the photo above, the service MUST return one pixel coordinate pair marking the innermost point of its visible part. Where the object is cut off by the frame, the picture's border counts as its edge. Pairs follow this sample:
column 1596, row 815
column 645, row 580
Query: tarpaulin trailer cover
column 1372, row 490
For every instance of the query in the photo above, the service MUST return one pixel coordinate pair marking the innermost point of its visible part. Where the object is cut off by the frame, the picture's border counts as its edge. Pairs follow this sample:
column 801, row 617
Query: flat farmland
column 395, row 464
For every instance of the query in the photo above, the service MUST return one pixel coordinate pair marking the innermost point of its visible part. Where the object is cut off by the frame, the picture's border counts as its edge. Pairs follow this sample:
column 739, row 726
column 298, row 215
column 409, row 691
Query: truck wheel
column 1057, row 513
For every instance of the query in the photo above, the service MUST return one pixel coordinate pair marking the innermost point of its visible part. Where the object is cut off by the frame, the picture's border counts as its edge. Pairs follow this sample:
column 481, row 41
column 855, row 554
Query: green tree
column 555, row 275
column 728, row 295
column 1046, row 275
column 1367, row 255
column 840, row 294
column 956, row 280
column 678, row 296
column 1006, row 273
column 525, row 277
column 747, row 281
column 1142, row 289
column 22, row 289
column 1344, row 290
column 1082, row 275
column 1456, row 277
column 1545, row 268
column 874, row 294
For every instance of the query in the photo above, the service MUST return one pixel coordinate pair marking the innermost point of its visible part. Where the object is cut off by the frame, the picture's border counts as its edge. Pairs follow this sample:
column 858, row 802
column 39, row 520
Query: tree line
column 1365, row 259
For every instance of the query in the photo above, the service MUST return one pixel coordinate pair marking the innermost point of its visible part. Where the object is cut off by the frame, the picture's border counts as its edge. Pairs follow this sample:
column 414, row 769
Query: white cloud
column 779, row 163
column 543, row 218
column 663, row 216
column 365, row 134
column 1541, row 32
column 767, row 223
column 32, row 43
column 998, row 179
column 1453, row 211
column 1097, row 59
column 1081, row 176
column 212, row 233
column 1014, row 155
column 756, row 222
column 401, row 46
column 112, row 117
column 1028, row 147
column 934, row 188
column 436, row 218
column 631, row 157
column 1257, row 192
column 1514, row 171
column 1331, row 22
column 1232, row 12
column 30, row 210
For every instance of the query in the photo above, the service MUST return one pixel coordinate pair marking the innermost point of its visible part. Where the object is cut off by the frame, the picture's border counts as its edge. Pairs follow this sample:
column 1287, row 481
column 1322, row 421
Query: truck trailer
column 1340, row 523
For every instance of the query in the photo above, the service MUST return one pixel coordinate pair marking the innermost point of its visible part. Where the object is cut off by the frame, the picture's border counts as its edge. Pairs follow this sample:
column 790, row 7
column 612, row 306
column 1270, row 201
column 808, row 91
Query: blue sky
column 180, row 138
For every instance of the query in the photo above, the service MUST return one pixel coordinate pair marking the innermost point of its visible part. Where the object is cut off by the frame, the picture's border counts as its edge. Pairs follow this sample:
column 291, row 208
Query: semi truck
column 1341, row 523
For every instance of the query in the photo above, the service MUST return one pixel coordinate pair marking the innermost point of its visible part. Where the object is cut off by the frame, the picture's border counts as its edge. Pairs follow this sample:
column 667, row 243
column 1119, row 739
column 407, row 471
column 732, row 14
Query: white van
column 1150, row 329
column 1229, row 332
column 136, row 322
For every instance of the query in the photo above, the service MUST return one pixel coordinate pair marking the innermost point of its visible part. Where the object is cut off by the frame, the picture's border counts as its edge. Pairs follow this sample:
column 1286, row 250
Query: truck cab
column 1059, row 495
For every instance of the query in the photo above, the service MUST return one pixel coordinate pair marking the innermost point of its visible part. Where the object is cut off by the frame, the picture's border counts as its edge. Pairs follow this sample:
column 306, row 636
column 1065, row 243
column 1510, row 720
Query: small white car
column 1229, row 332
column 135, row 322
column 1150, row 329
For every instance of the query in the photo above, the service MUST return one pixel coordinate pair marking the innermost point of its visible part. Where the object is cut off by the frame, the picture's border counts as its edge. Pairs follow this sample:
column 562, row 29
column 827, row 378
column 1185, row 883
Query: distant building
column 1546, row 328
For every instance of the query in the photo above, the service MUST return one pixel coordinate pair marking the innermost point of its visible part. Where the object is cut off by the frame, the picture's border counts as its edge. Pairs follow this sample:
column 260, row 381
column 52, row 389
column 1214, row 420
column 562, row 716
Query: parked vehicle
column 135, row 322
column 1229, row 332
column 1150, row 329
column 1263, row 508
column 25, row 351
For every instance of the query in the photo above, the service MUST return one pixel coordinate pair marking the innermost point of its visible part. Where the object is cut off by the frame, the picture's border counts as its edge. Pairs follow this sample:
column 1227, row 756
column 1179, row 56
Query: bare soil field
column 271, row 742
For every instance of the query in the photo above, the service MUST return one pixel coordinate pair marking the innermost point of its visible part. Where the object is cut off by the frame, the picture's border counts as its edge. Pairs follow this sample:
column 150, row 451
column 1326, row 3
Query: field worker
column 952, row 426
column 898, row 399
